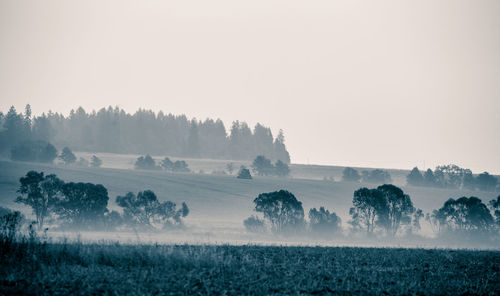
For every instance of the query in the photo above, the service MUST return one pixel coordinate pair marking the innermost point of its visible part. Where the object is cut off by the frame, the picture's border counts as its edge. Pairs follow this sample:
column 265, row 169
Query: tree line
column 382, row 211
column 78, row 205
column 116, row 131
column 453, row 176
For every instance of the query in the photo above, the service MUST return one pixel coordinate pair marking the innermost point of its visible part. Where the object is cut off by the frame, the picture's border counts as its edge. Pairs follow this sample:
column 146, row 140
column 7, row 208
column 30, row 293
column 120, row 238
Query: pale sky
column 389, row 84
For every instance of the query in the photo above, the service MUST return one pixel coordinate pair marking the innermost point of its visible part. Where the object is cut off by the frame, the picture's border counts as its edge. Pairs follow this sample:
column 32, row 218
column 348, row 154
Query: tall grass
column 33, row 265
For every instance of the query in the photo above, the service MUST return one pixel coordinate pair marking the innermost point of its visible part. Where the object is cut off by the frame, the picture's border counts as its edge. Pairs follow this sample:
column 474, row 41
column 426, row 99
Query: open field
column 115, row 269
column 218, row 203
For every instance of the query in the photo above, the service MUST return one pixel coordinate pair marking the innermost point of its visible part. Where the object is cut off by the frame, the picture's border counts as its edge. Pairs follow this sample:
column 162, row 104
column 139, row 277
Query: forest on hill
column 116, row 131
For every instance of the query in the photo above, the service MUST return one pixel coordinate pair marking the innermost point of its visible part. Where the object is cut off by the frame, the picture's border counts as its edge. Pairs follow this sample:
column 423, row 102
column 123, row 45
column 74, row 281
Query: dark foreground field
column 113, row 269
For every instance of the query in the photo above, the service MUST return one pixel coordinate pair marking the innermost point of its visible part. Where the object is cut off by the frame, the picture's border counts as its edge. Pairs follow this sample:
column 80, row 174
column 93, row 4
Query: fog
column 416, row 80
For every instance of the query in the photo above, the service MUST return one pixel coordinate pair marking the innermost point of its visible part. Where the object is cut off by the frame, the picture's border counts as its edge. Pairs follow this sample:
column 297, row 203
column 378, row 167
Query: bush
column 35, row 151
column 244, row 173
column 145, row 163
column 324, row 222
column 10, row 224
column 254, row 224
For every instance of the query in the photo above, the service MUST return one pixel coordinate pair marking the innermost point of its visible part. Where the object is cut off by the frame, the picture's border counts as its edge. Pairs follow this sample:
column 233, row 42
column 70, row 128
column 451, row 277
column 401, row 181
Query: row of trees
column 373, row 176
column 385, row 210
column 44, row 152
column 84, row 205
column 114, row 130
column 453, row 176
column 148, row 163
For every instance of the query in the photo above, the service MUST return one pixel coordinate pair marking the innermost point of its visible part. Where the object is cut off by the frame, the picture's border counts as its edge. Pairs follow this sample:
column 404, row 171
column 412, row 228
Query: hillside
column 218, row 203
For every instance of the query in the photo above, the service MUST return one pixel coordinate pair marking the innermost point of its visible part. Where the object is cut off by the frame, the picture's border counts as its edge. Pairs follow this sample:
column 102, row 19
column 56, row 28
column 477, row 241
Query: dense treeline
column 114, row 130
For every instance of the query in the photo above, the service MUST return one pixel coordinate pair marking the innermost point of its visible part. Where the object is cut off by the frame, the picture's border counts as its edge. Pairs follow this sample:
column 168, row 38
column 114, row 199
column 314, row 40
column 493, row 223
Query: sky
column 391, row 83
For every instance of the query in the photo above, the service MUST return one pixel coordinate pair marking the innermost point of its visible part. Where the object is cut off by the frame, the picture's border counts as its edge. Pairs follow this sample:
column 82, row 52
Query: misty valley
column 228, row 214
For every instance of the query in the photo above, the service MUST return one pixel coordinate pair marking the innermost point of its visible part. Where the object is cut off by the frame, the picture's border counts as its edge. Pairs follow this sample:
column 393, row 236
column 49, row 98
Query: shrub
column 244, row 173
column 324, row 222
column 254, row 224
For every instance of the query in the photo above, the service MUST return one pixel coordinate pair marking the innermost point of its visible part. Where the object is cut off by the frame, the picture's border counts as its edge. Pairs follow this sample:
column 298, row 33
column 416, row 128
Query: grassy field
column 218, row 203
column 114, row 269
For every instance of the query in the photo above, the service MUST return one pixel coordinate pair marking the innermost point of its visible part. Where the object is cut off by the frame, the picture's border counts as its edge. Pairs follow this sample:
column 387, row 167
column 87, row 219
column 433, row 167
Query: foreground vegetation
column 34, row 267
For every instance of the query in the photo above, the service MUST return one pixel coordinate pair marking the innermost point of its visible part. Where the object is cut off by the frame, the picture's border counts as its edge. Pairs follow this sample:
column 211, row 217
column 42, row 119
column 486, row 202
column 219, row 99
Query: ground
column 114, row 269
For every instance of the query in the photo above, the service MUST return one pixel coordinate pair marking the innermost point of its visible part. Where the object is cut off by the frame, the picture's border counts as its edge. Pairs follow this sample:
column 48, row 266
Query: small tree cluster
column 34, row 151
column 84, row 205
column 452, row 176
column 387, row 207
column 285, row 215
column 177, row 166
column 465, row 214
column 264, row 167
column 145, row 211
column 323, row 222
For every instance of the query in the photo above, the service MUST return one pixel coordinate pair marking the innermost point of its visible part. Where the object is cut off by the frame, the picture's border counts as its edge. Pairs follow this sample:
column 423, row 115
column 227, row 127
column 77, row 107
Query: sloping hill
column 219, row 201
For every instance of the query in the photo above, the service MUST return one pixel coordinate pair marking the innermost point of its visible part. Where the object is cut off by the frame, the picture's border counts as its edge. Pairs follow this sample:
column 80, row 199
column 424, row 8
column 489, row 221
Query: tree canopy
column 283, row 211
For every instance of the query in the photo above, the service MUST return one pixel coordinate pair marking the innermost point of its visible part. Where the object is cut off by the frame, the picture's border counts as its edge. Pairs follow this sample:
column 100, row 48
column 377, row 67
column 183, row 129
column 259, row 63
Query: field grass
column 115, row 269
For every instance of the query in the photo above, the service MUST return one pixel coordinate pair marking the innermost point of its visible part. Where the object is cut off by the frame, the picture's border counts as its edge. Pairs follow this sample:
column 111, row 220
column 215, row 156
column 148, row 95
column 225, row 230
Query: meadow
column 35, row 268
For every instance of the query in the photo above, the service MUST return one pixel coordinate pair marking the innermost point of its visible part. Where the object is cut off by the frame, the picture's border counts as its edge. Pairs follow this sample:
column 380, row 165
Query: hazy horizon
column 392, row 84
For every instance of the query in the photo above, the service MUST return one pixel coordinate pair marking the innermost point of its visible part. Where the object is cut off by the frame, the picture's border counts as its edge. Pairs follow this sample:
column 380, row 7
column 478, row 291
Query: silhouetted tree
column 399, row 207
column 95, row 162
column 82, row 205
column 39, row 192
column 144, row 210
column 324, row 222
column 244, row 173
column 463, row 214
column 486, row 182
column 145, row 163
column 67, row 156
column 280, row 151
column 376, row 176
column 350, row 175
column 415, row 178
column 283, row 211
column 369, row 208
